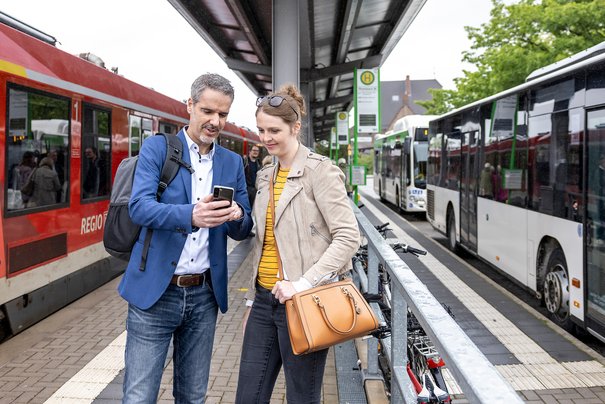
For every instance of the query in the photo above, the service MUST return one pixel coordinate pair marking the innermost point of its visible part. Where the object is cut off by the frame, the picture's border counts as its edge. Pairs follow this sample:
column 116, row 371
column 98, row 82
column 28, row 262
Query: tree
column 518, row 39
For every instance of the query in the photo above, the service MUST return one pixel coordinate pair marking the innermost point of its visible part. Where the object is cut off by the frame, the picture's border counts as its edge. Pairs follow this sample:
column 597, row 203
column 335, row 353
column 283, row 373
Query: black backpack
column 120, row 232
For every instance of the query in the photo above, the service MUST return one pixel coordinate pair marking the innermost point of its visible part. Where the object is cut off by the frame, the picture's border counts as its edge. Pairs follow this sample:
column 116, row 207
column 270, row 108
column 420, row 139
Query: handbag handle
column 356, row 311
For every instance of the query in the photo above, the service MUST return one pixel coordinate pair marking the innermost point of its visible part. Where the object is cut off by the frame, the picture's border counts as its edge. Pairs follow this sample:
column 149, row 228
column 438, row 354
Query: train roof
column 580, row 60
column 26, row 56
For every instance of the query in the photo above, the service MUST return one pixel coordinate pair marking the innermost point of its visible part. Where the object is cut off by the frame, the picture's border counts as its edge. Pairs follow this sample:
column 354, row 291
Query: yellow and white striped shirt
column 268, row 268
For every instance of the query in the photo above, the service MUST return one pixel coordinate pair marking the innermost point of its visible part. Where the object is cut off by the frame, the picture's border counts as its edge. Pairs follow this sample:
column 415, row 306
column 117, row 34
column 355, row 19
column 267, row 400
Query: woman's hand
column 283, row 290
column 245, row 320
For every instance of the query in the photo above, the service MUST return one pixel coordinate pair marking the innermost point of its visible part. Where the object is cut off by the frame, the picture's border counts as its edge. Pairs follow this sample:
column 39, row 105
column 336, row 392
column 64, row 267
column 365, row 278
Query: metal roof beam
column 307, row 75
column 343, row 68
column 351, row 14
column 247, row 67
column 245, row 17
column 332, row 101
column 404, row 12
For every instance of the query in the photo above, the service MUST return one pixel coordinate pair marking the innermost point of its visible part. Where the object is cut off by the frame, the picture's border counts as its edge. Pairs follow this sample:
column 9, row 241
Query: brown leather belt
column 185, row 281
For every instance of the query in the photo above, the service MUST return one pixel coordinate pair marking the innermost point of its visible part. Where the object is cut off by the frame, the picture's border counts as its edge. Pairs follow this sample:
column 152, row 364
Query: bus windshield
column 421, row 152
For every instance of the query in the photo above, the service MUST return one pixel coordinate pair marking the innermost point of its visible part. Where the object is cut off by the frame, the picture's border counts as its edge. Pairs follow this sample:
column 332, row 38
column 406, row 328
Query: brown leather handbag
column 328, row 315
column 325, row 315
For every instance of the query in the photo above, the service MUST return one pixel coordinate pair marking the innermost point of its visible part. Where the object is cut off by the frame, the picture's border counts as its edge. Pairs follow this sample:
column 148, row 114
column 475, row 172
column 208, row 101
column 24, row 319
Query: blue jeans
column 266, row 348
column 188, row 315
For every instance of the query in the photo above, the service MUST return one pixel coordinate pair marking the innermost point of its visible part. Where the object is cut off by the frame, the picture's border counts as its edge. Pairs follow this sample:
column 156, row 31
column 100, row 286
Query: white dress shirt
column 194, row 257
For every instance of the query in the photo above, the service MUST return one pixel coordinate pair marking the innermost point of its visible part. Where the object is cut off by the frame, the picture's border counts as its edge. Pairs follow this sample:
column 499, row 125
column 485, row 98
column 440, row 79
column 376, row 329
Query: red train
column 74, row 122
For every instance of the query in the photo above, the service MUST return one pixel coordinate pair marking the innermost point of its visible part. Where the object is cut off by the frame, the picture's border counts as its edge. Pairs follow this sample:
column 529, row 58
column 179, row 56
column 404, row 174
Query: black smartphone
column 221, row 193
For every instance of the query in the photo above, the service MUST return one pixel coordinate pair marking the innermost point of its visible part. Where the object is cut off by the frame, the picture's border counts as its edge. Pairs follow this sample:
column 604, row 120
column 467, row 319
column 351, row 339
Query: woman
column 316, row 234
column 46, row 184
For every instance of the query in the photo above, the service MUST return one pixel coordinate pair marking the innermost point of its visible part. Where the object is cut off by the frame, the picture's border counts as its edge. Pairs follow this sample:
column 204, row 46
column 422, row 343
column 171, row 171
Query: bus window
column 421, row 153
column 37, row 139
column 557, row 162
column 453, row 148
column 96, row 153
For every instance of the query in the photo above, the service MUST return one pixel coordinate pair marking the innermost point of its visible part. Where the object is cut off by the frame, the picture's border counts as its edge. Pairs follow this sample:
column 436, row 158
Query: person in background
column 311, row 210
column 23, row 170
column 46, row 184
column 176, row 294
column 251, row 167
column 342, row 164
column 90, row 183
column 485, row 182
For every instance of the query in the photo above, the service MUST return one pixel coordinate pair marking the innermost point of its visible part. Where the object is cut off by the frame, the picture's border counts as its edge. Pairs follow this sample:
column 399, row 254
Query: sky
column 153, row 45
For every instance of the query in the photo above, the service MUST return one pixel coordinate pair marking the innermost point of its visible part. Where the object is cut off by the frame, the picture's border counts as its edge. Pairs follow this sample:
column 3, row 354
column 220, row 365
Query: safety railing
column 477, row 377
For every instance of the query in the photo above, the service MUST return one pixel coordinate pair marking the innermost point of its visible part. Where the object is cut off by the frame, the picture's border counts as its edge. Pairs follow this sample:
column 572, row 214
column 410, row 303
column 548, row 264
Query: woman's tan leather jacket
column 315, row 227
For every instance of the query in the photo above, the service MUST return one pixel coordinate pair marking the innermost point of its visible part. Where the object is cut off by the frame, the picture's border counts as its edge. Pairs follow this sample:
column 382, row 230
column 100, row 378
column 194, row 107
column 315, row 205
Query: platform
column 76, row 355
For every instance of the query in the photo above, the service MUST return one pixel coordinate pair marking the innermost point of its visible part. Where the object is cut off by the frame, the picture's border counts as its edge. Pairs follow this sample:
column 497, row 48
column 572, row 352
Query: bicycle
column 424, row 362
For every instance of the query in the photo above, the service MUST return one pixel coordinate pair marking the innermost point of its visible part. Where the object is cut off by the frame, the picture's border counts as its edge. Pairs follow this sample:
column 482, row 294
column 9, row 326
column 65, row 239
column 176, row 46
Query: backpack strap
column 172, row 164
column 174, row 159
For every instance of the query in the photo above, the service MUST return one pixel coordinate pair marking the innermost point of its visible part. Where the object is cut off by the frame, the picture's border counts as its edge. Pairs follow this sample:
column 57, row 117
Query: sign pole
column 366, row 92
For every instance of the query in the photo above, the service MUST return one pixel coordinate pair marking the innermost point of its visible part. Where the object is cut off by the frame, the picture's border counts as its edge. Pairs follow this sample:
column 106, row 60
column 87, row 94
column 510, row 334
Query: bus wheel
column 451, row 232
column 556, row 289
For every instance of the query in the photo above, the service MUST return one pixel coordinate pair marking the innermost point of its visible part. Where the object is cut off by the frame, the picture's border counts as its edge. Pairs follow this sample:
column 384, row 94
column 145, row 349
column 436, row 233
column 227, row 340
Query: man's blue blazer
column 170, row 219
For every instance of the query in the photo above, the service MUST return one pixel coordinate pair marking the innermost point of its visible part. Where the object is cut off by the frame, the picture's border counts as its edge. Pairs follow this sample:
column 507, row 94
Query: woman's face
column 277, row 136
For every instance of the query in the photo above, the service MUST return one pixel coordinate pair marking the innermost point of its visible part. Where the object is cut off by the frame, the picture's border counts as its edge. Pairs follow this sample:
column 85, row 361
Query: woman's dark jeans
column 266, row 348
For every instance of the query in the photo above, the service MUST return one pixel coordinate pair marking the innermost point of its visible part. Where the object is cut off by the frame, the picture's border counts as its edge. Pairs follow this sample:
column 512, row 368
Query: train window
column 168, row 128
column 96, row 153
column 37, row 144
column 135, row 135
column 232, row 144
column 146, row 128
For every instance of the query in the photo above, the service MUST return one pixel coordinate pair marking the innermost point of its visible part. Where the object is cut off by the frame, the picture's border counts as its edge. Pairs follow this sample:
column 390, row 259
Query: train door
column 468, row 195
column 595, row 220
column 140, row 129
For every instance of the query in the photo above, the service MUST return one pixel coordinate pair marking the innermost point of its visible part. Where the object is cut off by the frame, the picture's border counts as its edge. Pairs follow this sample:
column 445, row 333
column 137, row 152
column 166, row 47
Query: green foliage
column 363, row 159
column 518, row 39
column 366, row 159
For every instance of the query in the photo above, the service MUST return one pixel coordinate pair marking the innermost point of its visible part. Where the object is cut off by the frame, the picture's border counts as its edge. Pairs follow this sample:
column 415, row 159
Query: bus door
column 468, row 195
column 595, row 219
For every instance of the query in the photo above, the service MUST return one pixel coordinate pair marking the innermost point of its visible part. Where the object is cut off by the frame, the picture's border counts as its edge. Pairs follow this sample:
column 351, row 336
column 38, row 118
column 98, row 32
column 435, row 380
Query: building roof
column 335, row 36
column 393, row 99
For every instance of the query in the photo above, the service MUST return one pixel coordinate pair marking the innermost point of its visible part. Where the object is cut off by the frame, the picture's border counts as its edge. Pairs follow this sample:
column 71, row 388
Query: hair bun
column 292, row 91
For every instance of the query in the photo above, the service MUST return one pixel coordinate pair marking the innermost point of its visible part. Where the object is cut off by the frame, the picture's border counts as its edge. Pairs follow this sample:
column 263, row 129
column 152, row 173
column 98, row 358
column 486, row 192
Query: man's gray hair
column 212, row 81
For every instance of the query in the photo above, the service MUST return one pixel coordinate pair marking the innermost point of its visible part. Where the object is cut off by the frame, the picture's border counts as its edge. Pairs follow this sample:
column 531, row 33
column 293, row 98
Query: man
column 251, row 166
column 178, row 292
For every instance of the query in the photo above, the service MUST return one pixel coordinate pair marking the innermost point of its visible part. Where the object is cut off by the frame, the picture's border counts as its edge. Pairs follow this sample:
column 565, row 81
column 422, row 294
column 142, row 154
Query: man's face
column 89, row 153
column 254, row 152
column 208, row 116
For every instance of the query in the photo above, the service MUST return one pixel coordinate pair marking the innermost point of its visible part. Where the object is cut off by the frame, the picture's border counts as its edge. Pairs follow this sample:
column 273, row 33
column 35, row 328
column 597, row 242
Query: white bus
column 518, row 179
column 400, row 162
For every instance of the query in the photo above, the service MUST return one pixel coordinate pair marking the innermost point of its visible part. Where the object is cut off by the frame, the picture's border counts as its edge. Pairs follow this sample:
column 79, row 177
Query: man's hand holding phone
column 216, row 208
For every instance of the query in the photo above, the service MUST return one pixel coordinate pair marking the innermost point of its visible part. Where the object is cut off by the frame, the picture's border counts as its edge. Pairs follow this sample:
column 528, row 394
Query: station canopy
column 336, row 36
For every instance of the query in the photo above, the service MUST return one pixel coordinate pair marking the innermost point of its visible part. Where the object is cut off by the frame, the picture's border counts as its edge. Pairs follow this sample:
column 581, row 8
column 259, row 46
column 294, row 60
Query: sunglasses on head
column 274, row 101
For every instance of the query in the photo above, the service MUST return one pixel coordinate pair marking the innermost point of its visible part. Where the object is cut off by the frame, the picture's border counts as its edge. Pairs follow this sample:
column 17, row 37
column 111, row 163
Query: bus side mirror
column 407, row 144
